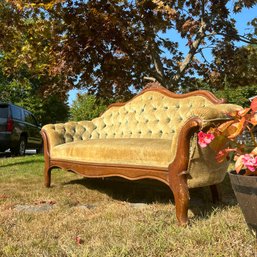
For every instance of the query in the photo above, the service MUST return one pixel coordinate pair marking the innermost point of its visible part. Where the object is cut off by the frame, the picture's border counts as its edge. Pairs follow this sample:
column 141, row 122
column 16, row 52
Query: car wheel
column 22, row 146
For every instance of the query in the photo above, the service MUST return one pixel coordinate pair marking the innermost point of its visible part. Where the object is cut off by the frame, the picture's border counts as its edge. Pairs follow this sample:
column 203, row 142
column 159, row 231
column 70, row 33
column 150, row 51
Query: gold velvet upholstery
column 144, row 152
column 144, row 131
column 203, row 168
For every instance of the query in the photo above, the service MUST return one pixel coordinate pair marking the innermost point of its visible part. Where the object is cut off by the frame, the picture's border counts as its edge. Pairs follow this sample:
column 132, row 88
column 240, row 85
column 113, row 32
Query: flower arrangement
column 225, row 139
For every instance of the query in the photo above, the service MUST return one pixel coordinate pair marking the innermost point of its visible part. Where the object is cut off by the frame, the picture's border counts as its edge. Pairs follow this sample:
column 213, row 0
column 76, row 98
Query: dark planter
column 245, row 189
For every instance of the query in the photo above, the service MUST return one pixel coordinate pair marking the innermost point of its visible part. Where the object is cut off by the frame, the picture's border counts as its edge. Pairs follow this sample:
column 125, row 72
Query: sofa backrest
column 155, row 113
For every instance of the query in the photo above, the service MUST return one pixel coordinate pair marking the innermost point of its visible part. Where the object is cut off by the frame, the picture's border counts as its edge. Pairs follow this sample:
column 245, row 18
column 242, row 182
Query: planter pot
column 245, row 189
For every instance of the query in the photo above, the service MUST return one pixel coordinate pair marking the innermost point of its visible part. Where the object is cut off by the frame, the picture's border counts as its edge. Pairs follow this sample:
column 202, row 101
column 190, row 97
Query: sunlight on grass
column 96, row 217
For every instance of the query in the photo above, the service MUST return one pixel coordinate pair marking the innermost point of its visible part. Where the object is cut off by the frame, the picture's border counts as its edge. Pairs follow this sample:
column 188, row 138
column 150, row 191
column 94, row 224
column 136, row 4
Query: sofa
column 154, row 136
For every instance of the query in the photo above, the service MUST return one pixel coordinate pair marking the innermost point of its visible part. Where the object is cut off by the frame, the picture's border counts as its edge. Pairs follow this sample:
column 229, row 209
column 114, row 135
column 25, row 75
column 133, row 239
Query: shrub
column 86, row 107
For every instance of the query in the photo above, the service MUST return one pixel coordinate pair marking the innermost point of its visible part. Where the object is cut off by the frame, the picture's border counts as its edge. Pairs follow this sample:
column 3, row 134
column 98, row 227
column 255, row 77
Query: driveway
column 8, row 153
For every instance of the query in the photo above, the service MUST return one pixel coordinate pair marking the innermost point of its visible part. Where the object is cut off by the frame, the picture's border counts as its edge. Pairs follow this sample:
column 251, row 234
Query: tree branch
column 202, row 54
column 193, row 49
column 239, row 38
column 156, row 59
column 150, row 78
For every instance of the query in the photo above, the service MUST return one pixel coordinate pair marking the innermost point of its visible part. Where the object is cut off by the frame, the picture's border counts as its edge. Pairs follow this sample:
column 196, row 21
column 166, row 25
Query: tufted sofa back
column 149, row 115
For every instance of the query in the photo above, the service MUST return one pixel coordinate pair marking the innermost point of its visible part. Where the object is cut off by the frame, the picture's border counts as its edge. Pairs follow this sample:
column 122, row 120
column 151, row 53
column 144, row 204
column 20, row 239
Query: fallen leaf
column 79, row 240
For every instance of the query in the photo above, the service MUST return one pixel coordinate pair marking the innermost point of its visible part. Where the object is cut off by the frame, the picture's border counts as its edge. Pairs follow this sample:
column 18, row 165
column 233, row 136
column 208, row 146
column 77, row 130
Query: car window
column 16, row 113
column 3, row 111
column 30, row 118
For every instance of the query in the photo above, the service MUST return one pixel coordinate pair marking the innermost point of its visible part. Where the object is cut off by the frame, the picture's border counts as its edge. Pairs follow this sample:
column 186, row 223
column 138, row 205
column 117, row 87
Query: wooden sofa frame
column 175, row 176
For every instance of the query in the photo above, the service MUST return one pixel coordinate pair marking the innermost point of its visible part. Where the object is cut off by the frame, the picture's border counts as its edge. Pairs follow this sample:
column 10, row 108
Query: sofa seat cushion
column 144, row 152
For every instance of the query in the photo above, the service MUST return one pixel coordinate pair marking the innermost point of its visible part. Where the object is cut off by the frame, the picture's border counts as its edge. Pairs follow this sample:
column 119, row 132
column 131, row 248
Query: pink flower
column 204, row 138
column 250, row 162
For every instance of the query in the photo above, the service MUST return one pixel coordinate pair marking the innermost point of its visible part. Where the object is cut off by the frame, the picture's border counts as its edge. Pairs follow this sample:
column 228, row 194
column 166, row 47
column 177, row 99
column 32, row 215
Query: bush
column 86, row 107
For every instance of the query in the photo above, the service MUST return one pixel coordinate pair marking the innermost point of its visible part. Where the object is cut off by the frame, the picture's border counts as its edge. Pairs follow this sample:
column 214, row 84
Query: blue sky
column 241, row 23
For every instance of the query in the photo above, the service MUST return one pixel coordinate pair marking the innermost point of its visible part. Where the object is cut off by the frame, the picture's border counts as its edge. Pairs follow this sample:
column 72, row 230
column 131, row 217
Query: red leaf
column 225, row 125
column 253, row 119
column 221, row 156
column 238, row 128
column 239, row 164
column 78, row 240
column 254, row 104
column 3, row 196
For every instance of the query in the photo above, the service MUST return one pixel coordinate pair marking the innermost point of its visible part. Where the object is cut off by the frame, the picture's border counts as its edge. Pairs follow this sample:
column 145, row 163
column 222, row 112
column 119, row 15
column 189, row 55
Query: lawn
column 111, row 217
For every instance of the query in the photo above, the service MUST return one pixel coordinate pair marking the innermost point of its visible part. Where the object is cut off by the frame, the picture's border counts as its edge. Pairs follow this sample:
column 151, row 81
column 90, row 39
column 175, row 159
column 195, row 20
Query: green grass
column 96, row 217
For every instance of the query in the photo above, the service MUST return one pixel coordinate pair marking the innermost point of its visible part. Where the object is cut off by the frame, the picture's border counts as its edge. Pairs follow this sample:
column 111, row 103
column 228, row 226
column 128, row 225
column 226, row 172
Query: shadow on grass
column 25, row 162
column 152, row 191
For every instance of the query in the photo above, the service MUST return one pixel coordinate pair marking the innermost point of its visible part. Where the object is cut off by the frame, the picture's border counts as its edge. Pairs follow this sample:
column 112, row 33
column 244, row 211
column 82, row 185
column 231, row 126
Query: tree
column 237, row 67
column 26, row 56
column 239, row 95
column 86, row 107
column 27, row 53
column 47, row 110
column 111, row 47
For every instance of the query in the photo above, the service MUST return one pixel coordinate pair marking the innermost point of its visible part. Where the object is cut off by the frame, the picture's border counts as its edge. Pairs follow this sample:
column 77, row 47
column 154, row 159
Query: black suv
column 19, row 130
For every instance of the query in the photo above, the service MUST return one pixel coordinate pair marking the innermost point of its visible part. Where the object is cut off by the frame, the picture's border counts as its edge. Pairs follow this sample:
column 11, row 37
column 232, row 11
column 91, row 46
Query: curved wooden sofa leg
column 177, row 177
column 47, row 174
column 48, row 168
column 178, row 185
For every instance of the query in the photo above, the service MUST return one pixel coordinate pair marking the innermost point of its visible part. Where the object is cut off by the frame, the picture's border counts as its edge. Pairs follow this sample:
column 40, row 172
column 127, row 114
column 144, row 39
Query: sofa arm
column 210, row 114
column 61, row 133
column 203, row 169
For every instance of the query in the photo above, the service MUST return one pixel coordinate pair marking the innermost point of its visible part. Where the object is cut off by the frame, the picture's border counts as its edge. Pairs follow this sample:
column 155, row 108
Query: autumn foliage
column 114, row 47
